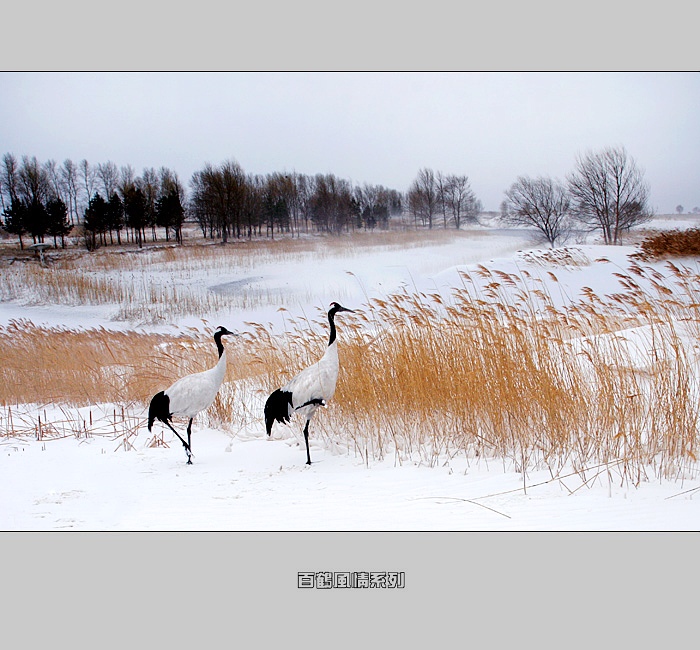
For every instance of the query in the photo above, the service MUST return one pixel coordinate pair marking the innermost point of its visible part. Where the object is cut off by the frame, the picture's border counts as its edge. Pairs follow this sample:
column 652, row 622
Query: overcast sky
column 377, row 128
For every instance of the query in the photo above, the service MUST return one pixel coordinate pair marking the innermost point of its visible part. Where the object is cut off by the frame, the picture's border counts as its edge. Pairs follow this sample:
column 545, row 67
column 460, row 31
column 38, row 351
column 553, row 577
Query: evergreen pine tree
column 58, row 222
column 15, row 221
column 95, row 221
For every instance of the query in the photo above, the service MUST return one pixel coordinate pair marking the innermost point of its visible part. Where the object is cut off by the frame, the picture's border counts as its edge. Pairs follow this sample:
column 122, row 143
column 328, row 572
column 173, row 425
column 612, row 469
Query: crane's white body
column 195, row 393
column 317, row 382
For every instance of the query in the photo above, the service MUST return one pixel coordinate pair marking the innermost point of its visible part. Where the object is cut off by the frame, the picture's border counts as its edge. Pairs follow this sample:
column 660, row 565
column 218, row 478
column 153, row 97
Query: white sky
column 379, row 128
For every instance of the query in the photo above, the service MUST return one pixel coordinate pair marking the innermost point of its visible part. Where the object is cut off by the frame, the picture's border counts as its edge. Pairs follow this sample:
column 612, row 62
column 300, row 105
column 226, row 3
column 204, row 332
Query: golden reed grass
column 670, row 243
column 496, row 371
column 46, row 365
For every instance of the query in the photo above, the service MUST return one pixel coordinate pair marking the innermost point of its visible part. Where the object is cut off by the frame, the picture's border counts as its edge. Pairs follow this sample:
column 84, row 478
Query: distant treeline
column 111, row 205
column 605, row 192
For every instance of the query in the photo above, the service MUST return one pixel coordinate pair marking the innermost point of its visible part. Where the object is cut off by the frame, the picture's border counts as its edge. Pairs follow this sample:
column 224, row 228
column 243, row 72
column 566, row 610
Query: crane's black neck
column 219, row 344
column 331, row 322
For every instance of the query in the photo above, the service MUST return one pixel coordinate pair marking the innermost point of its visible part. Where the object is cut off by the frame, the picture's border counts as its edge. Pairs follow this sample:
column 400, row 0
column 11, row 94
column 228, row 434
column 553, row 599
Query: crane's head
column 336, row 307
column 222, row 331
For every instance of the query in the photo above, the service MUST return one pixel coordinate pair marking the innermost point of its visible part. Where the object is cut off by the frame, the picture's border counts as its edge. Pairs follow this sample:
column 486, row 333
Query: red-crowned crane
column 311, row 388
column 190, row 395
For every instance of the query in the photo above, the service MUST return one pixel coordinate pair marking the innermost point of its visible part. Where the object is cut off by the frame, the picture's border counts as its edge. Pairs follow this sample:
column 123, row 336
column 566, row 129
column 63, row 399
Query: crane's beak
column 352, row 311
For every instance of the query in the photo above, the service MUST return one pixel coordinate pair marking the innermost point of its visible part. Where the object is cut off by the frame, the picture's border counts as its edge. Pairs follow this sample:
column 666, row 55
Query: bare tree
column 332, row 203
column 442, row 184
column 149, row 184
column 218, row 196
column 280, row 199
column 375, row 205
column 261, row 203
column 69, row 178
column 423, row 197
column 34, row 184
column 293, row 195
column 9, row 179
column 234, row 184
column 127, row 179
column 56, row 190
column 541, row 203
column 202, row 202
column 303, row 189
column 609, row 193
column 108, row 174
column 87, row 179
column 460, row 201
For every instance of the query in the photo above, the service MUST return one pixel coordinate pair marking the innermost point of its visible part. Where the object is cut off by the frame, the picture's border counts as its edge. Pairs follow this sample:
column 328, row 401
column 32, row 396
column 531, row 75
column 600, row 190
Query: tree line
column 110, row 204
column 605, row 192
column 113, row 204
column 228, row 203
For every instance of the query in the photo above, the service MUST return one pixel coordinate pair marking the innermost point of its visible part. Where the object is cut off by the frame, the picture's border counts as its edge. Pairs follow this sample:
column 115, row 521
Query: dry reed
column 496, row 371
column 670, row 243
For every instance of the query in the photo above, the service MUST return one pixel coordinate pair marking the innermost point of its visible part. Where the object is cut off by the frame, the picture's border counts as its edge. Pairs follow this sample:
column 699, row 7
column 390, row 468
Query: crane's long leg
column 189, row 442
column 306, row 438
column 182, row 440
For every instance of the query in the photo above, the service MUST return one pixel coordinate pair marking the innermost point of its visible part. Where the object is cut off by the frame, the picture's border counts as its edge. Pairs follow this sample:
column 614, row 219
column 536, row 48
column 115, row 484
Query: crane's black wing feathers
column 278, row 407
column 159, row 409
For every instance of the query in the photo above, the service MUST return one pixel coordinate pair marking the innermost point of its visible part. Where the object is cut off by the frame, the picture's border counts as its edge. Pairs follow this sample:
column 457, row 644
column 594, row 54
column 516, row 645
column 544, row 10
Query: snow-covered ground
column 244, row 482
column 256, row 485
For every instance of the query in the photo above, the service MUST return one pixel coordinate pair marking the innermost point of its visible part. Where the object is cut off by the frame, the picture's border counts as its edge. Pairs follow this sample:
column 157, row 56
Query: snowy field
column 240, row 481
